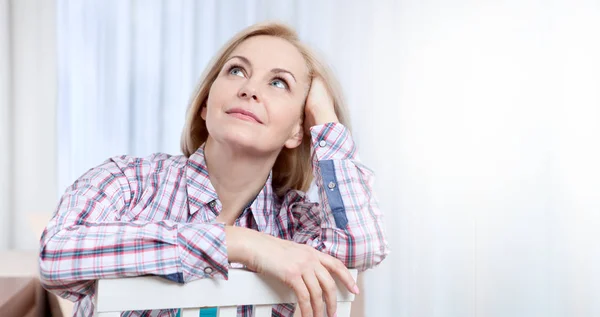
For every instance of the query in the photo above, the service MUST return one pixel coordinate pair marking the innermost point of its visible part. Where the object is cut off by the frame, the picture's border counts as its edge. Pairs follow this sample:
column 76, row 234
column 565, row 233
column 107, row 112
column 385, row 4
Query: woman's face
column 256, row 101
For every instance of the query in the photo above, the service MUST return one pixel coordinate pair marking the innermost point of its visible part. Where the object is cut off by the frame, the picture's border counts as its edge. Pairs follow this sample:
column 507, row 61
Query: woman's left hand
column 319, row 105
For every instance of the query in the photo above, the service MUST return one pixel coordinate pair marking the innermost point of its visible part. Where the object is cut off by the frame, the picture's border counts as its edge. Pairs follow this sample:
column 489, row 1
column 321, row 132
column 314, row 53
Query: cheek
column 221, row 90
column 215, row 93
column 286, row 114
column 214, row 102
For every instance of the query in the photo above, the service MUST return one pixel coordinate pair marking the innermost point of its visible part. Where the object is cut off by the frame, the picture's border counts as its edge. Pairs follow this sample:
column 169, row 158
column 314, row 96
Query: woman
column 266, row 118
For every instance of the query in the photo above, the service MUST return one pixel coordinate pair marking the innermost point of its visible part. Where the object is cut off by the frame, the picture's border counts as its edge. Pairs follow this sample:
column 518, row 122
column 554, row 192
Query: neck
column 236, row 175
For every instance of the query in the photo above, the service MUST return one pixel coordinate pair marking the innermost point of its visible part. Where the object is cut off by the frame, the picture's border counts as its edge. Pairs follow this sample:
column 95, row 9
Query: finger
column 329, row 289
column 316, row 293
column 338, row 268
column 303, row 297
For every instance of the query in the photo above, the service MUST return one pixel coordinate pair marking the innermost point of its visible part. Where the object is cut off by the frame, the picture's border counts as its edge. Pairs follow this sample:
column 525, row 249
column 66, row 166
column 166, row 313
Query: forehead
column 268, row 52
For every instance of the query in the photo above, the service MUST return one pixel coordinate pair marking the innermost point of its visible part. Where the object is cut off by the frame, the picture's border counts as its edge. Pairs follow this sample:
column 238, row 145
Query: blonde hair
column 292, row 169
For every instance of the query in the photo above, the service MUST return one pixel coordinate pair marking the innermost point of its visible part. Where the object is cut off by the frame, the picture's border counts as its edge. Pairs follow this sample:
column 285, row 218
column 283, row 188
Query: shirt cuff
column 203, row 251
column 332, row 141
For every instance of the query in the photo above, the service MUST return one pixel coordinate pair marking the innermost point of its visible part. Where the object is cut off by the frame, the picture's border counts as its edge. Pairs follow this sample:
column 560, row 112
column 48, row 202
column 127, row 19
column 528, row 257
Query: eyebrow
column 274, row 70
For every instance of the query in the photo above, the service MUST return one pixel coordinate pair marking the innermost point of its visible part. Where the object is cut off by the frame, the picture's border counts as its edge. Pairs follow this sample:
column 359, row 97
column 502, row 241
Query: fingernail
column 355, row 290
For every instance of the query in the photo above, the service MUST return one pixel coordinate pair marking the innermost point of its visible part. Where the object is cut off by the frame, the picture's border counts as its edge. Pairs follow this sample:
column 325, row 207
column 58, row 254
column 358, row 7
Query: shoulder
column 153, row 161
column 119, row 176
column 131, row 168
column 155, row 166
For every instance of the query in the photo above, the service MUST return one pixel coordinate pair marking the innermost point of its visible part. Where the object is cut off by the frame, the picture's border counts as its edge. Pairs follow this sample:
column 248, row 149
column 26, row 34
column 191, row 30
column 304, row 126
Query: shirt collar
column 201, row 191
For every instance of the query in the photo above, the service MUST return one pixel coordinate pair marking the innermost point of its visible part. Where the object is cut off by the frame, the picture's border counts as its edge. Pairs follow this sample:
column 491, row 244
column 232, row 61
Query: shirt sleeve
column 346, row 222
column 85, row 241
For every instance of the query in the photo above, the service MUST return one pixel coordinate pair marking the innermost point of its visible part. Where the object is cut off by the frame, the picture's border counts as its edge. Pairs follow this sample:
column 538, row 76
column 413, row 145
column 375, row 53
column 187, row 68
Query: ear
column 296, row 139
column 203, row 112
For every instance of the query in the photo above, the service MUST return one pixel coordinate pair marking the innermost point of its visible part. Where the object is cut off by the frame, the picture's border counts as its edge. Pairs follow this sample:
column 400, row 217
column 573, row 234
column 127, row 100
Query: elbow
column 49, row 268
column 359, row 252
column 50, row 279
column 373, row 253
column 56, row 273
column 379, row 253
column 48, row 276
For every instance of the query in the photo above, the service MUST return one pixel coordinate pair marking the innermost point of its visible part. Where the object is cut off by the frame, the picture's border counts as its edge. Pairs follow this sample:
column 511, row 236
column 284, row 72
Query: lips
column 244, row 115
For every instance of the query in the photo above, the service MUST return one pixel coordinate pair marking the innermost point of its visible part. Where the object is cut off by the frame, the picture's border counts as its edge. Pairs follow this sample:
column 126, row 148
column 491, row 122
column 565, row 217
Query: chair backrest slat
column 230, row 311
column 190, row 312
column 242, row 288
column 343, row 309
column 263, row 310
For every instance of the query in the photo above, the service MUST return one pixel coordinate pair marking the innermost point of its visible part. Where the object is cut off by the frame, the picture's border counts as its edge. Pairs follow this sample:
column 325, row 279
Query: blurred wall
column 486, row 139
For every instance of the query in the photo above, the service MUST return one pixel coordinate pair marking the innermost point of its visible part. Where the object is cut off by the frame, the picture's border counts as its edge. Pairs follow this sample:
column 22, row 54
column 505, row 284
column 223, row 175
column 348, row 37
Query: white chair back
column 114, row 296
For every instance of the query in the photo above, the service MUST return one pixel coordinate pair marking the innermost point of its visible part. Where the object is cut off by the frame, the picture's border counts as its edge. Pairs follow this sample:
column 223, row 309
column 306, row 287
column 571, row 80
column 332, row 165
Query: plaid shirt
column 156, row 215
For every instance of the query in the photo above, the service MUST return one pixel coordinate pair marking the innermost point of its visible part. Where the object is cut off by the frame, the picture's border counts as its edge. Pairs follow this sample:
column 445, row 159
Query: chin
column 245, row 137
column 242, row 139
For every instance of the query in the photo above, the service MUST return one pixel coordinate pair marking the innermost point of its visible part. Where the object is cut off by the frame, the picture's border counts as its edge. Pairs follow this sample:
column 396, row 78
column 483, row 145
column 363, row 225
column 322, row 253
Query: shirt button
column 331, row 185
column 212, row 203
column 322, row 143
column 208, row 270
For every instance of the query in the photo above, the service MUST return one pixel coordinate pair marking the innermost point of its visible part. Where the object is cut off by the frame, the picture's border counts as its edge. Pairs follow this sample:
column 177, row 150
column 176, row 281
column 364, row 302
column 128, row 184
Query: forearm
column 74, row 256
column 351, row 221
column 238, row 244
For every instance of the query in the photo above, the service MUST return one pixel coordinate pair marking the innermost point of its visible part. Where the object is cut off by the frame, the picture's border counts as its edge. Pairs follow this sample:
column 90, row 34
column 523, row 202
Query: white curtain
column 4, row 124
column 481, row 120
column 27, row 120
column 127, row 68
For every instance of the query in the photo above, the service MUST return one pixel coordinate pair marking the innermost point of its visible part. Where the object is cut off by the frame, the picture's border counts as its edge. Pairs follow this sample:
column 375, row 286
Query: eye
column 236, row 71
column 279, row 83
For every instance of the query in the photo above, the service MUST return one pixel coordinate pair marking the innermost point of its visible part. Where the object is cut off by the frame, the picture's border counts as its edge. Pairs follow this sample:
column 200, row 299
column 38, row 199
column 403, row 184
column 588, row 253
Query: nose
column 248, row 91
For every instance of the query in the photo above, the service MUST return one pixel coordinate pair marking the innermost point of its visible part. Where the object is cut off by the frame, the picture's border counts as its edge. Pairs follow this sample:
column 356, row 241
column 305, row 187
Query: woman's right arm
column 84, row 241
